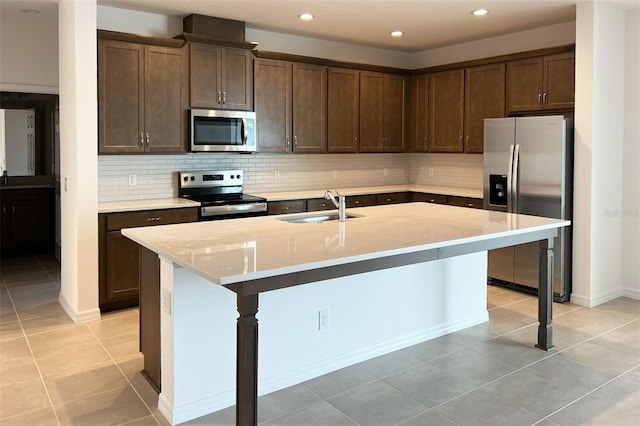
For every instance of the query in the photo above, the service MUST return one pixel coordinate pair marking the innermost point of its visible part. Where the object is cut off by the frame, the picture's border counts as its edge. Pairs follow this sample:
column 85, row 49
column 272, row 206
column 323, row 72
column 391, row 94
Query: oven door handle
column 234, row 208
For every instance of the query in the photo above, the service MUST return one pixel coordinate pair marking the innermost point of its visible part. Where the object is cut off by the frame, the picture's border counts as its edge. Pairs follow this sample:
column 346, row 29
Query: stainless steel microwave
column 213, row 130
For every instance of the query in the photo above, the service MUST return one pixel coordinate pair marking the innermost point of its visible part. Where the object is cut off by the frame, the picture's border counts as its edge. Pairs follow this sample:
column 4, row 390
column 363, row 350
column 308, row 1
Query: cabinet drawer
column 392, row 198
column 316, row 204
column 290, row 206
column 361, row 201
column 429, row 198
column 116, row 221
column 474, row 203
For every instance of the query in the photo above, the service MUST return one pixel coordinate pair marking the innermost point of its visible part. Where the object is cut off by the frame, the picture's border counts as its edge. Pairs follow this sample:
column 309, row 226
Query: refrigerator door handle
column 514, row 180
column 510, row 181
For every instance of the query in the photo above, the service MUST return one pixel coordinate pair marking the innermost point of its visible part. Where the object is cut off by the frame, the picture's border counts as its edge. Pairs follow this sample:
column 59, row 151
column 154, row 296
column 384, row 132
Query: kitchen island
column 368, row 262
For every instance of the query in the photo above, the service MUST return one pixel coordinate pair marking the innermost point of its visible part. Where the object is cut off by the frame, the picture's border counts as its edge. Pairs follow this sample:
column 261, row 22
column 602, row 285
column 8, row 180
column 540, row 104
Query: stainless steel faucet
column 339, row 201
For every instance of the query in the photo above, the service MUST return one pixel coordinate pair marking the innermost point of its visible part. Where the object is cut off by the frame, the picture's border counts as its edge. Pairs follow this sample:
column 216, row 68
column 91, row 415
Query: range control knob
column 193, row 178
column 186, row 178
column 238, row 176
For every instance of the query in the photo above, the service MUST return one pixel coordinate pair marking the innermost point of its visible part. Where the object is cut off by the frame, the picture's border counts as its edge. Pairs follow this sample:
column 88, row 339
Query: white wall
column 631, row 167
column 599, row 122
column 29, row 50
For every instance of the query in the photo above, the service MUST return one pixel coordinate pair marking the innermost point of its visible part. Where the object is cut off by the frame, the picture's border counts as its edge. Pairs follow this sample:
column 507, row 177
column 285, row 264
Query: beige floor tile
column 46, row 323
column 500, row 324
column 146, row 421
column 75, row 334
column 42, row 310
column 85, row 382
column 131, row 367
column 107, row 408
column 12, row 348
column 5, row 299
column 18, row 369
column 71, row 358
column 49, row 294
column 42, row 417
column 116, row 325
column 122, row 346
column 8, row 315
column 602, row 358
column 28, row 277
column 150, row 398
column 10, row 330
column 601, row 320
column 22, row 397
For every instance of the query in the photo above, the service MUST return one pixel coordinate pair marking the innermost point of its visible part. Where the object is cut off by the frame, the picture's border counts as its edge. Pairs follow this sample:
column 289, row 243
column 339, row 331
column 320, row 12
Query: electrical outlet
column 323, row 319
column 336, row 173
column 386, row 171
column 166, row 301
column 430, row 171
column 133, row 180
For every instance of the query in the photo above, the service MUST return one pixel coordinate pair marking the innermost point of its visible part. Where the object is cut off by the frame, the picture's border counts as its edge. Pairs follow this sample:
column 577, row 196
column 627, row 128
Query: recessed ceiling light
column 305, row 16
column 397, row 33
column 480, row 12
column 30, row 11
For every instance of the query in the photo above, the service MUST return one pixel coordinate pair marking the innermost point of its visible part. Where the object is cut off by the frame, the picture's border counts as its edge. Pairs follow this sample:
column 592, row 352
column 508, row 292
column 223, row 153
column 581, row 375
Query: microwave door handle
column 244, row 131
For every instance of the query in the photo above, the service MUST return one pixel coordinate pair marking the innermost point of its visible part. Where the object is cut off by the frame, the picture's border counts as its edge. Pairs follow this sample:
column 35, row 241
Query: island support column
column 545, row 295
column 247, row 361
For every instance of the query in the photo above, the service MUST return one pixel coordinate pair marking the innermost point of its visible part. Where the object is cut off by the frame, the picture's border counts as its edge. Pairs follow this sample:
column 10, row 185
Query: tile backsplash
column 156, row 175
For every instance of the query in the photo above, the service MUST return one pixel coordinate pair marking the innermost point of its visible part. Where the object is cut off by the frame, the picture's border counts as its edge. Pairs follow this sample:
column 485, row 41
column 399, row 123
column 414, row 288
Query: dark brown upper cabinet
column 446, row 111
column 291, row 106
column 382, row 112
column 141, row 98
column 343, row 113
column 419, row 119
column 220, row 77
column 541, row 83
column 484, row 98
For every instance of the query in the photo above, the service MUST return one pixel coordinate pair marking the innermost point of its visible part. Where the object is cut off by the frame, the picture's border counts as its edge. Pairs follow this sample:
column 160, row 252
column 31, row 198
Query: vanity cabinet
column 220, row 77
column 28, row 219
column 541, row 83
column 291, row 106
column 141, row 98
column 119, row 256
column 382, row 112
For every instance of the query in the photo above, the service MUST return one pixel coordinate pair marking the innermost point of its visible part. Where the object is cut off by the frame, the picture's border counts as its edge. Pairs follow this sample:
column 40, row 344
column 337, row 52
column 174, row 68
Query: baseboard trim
column 631, row 293
column 590, row 302
column 78, row 317
column 183, row 413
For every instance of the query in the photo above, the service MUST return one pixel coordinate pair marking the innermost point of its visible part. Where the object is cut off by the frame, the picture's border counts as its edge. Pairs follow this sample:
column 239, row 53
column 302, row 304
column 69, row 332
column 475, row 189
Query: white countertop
column 151, row 204
column 237, row 250
column 364, row 190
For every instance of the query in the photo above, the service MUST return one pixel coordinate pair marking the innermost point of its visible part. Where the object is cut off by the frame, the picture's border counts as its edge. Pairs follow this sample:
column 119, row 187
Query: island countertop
column 239, row 250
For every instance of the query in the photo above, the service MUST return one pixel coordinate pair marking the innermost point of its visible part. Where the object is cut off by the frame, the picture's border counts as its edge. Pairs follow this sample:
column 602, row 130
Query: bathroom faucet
column 338, row 201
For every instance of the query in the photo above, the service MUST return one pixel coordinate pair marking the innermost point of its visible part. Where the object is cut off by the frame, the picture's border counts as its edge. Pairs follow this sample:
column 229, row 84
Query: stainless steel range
column 220, row 194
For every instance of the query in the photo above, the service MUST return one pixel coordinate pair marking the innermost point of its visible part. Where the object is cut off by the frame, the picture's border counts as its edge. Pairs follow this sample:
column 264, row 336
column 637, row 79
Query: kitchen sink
column 317, row 218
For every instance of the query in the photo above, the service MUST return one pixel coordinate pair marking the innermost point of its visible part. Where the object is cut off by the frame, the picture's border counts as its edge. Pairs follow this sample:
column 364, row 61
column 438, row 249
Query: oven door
column 216, row 131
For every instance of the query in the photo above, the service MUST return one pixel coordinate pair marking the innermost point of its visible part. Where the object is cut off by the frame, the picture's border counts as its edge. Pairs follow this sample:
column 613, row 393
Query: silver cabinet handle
column 154, row 219
column 141, row 139
column 355, row 141
column 288, row 142
column 295, row 141
column 356, row 202
column 539, row 98
column 224, row 97
column 219, row 97
column 544, row 98
column 425, row 142
column 147, row 140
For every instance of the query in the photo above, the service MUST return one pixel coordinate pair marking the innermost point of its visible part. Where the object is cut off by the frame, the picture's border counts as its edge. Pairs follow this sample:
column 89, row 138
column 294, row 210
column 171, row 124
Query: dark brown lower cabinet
column 474, row 203
column 27, row 219
column 392, row 198
column 119, row 263
column 150, row 316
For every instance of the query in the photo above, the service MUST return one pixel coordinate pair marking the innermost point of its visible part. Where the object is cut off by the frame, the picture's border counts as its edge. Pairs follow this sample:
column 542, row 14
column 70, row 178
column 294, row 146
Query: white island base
column 369, row 314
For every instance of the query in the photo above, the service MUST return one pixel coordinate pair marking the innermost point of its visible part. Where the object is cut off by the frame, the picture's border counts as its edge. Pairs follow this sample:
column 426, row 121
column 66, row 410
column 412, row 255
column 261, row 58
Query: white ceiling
column 427, row 23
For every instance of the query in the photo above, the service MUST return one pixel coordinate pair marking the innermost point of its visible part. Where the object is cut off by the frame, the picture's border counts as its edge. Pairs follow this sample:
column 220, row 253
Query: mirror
column 27, row 133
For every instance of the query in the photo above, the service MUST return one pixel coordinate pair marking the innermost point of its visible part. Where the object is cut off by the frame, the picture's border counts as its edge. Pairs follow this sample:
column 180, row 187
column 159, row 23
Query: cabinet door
column 272, row 85
column 524, row 85
column 371, row 96
column 484, row 98
column 204, row 76
column 120, row 96
column 342, row 110
column 394, row 91
column 309, row 108
column 122, row 267
column 165, row 89
column 446, row 110
column 237, row 87
column 559, row 81
column 419, row 113
column 30, row 219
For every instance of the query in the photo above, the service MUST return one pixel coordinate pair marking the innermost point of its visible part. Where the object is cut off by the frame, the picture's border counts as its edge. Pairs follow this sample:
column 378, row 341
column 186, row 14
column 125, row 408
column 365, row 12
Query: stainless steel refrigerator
column 528, row 169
